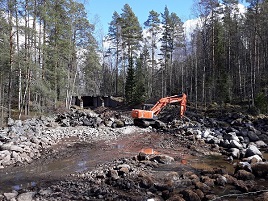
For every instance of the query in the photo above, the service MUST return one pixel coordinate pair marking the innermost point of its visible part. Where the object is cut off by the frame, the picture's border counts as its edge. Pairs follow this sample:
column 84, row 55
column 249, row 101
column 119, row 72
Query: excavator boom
column 156, row 109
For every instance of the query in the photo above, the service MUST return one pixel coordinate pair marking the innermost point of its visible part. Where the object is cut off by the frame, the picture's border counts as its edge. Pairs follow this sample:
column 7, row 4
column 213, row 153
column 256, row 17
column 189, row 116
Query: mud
column 68, row 157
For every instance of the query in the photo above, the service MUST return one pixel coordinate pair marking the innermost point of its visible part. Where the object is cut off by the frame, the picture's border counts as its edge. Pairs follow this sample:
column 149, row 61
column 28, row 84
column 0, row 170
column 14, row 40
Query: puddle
column 149, row 151
column 80, row 159
column 211, row 162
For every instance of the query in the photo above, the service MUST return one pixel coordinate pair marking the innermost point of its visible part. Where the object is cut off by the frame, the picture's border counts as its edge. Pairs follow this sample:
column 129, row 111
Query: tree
column 115, row 37
column 153, row 26
column 131, row 36
column 130, row 83
column 140, row 76
column 92, row 71
column 172, row 38
column 165, row 49
column 4, row 61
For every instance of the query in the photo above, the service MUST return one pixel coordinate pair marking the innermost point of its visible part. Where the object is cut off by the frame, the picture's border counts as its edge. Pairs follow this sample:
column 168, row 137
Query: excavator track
column 149, row 122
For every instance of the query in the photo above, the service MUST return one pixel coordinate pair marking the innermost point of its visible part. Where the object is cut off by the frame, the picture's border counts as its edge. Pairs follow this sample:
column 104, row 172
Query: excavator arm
column 156, row 109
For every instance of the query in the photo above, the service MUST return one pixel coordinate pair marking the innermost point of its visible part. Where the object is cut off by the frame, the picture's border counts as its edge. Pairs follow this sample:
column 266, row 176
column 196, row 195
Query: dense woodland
column 49, row 53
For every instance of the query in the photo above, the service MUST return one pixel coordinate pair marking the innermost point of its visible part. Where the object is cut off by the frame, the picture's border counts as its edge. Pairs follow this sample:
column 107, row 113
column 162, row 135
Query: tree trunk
column 10, row 65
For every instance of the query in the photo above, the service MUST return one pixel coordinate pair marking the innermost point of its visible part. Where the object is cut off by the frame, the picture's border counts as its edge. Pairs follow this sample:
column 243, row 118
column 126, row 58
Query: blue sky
column 104, row 9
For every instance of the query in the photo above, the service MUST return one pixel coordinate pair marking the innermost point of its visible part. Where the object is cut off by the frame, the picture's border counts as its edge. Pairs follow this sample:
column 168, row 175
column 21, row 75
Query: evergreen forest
column 49, row 53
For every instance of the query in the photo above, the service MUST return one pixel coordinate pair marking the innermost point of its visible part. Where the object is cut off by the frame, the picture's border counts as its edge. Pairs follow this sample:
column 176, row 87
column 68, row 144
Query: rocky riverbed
column 132, row 163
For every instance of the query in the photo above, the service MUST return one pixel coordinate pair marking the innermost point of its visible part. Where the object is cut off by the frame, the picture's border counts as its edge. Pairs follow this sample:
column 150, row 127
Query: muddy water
column 73, row 158
column 211, row 162
column 67, row 157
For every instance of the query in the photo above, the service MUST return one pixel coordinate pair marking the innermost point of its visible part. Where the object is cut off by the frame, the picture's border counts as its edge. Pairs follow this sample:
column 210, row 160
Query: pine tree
column 140, row 92
column 153, row 25
column 131, row 38
column 115, row 37
column 130, row 83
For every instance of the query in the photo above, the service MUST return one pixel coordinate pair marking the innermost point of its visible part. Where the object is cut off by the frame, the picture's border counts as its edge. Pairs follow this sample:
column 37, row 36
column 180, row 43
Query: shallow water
column 87, row 157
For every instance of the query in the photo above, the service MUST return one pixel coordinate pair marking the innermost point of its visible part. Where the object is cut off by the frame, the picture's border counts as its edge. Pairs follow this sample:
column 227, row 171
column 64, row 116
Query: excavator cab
column 147, row 106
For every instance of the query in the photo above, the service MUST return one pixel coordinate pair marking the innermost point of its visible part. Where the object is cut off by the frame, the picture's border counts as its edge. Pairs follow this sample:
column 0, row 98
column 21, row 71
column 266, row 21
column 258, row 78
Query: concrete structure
column 94, row 101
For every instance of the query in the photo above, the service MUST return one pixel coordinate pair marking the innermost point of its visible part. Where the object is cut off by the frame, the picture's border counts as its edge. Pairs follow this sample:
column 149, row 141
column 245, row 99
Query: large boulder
column 28, row 196
column 236, row 144
column 253, row 150
column 190, row 195
column 163, row 159
column 235, row 153
column 253, row 137
column 244, row 175
column 260, row 169
column 230, row 136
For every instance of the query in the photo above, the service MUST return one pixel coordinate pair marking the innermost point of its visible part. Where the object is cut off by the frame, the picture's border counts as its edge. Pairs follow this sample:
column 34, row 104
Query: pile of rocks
column 77, row 117
column 242, row 137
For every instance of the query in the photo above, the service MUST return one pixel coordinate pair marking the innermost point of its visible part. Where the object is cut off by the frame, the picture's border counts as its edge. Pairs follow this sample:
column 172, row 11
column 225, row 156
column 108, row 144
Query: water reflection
column 21, row 186
column 81, row 166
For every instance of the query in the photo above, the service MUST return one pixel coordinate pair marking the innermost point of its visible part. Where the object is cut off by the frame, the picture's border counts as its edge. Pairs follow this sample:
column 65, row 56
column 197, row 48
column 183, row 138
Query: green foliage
column 131, row 31
column 92, row 71
column 261, row 102
column 130, row 83
column 140, row 92
column 223, row 86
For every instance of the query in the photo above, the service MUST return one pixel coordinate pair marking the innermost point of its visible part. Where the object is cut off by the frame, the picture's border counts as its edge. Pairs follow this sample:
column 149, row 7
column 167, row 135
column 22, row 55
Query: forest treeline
column 49, row 53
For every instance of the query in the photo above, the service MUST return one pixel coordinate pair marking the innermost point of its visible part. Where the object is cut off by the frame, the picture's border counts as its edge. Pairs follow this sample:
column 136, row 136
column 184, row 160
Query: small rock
column 202, row 186
column 241, row 186
column 113, row 174
column 243, row 166
column 221, row 180
column 230, row 136
column 261, row 144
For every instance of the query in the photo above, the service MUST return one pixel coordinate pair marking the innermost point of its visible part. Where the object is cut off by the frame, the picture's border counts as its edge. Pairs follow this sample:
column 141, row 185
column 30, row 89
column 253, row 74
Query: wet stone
column 190, row 195
column 202, row 186
column 221, row 181
column 260, row 169
column 244, row 175
column 113, row 174
column 163, row 159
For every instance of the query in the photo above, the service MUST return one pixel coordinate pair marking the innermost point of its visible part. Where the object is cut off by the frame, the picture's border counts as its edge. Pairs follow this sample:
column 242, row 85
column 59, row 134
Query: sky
column 100, row 12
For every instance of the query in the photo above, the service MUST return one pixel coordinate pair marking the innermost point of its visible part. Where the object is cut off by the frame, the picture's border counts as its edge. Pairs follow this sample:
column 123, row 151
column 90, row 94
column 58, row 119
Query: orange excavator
column 147, row 118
